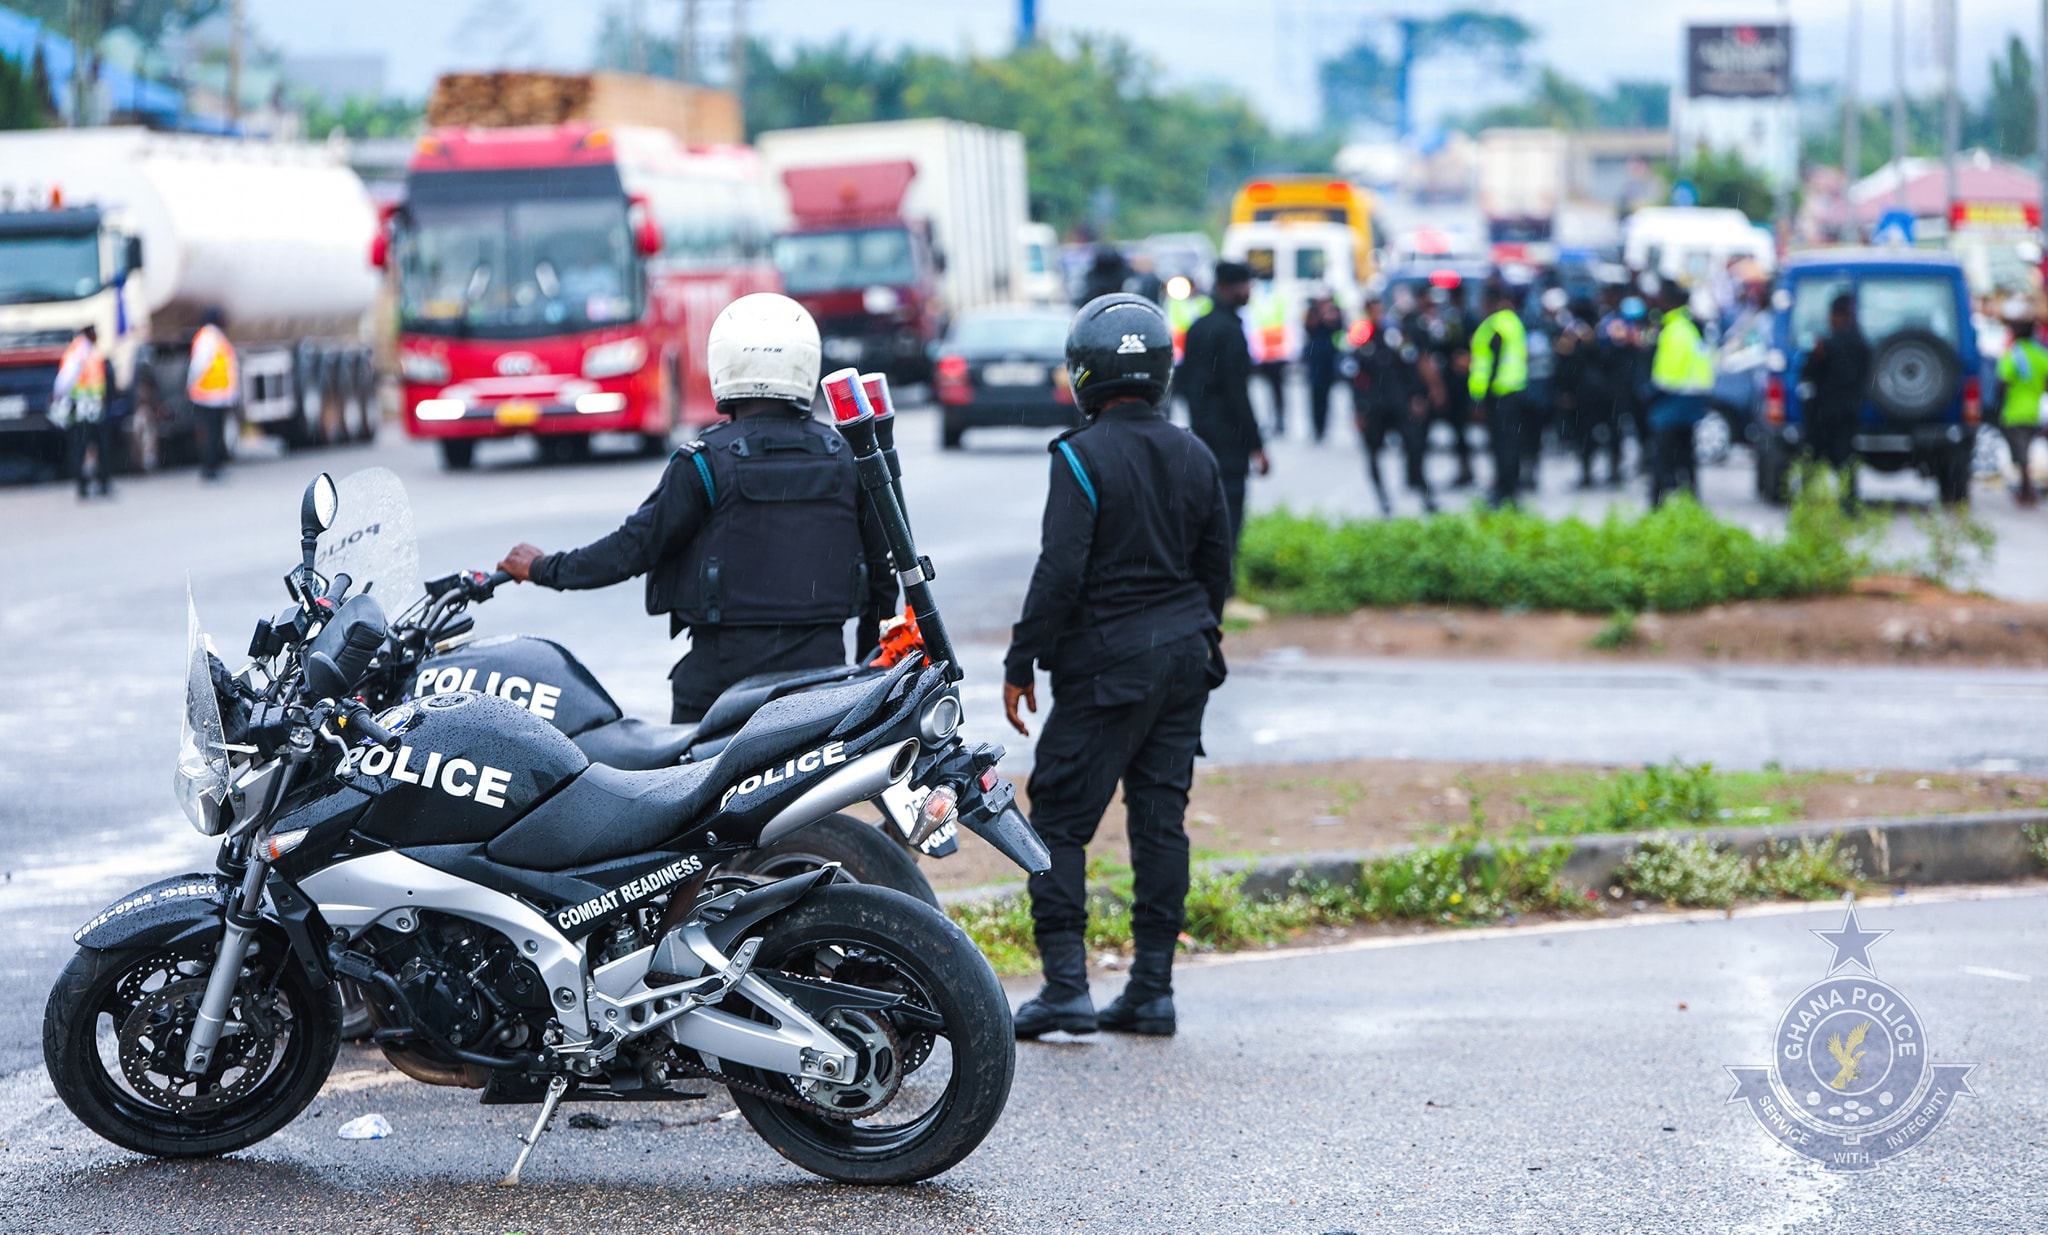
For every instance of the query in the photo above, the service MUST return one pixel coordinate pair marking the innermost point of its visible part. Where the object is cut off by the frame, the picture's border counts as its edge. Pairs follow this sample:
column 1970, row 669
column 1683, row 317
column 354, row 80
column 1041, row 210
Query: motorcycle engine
column 466, row 984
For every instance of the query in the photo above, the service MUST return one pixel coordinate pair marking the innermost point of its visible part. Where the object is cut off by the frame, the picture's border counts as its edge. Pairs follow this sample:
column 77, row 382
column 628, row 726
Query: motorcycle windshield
column 372, row 540
column 201, row 780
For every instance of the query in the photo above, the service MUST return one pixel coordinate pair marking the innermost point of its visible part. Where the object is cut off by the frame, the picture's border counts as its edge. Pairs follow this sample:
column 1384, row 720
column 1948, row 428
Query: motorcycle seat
column 634, row 745
column 745, row 697
column 607, row 813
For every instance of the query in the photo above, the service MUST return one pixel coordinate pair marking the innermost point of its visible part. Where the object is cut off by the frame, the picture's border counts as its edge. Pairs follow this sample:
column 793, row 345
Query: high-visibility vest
column 1682, row 364
column 1266, row 329
column 1508, row 372
column 81, row 388
column 1181, row 314
column 215, row 378
column 2024, row 371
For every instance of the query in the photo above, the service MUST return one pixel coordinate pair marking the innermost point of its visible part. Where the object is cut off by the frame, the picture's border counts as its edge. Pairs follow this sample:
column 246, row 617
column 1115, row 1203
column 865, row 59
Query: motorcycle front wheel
column 114, row 1036
column 945, row 1085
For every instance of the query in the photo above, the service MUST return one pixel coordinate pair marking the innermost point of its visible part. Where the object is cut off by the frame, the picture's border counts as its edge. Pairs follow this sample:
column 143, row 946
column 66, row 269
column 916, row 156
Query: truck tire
column 302, row 430
column 952, row 430
column 371, row 397
column 145, row 446
column 458, row 454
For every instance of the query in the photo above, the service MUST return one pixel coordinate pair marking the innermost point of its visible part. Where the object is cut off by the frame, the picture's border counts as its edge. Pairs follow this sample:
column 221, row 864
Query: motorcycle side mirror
column 316, row 514
column 321, row 503
column 324, row 679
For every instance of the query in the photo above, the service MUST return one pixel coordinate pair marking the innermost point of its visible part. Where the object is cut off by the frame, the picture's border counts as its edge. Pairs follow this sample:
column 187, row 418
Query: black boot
column 1146, row 1006
column 1063, row 1003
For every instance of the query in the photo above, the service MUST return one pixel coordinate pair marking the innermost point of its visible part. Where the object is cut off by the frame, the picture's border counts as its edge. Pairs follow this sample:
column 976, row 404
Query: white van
column 1690, row 244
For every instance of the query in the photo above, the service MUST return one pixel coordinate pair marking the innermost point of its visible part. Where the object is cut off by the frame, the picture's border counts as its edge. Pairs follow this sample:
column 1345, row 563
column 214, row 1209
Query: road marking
column 2007, row 974
column 1932, row 896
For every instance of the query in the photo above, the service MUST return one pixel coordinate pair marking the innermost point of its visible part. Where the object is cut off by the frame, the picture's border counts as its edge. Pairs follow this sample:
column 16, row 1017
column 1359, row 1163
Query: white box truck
column 139, row 234
column 888, row 228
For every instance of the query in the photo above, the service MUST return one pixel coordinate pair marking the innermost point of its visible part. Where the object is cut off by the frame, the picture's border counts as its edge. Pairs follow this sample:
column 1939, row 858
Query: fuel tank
column 538, row 674
column 468, row 765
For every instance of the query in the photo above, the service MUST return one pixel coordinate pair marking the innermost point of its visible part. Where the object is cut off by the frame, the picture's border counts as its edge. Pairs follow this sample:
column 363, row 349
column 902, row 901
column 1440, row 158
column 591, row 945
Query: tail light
column 953, row 384
column 1774, row 400
column 848, row 401
column 1973, row 401
column 1062, row 385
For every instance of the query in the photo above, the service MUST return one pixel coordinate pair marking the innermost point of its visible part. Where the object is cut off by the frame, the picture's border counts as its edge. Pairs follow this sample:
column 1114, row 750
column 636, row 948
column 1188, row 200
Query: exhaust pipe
column 863, row 778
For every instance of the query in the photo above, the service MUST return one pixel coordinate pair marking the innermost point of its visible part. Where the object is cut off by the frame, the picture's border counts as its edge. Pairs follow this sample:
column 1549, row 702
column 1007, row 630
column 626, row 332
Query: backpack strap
column 1080, row 474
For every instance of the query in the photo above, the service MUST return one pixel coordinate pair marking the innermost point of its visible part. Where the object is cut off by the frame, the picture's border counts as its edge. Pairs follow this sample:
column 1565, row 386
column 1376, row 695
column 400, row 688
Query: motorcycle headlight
column 201, row 791
column 614, row 359
column 423, row 367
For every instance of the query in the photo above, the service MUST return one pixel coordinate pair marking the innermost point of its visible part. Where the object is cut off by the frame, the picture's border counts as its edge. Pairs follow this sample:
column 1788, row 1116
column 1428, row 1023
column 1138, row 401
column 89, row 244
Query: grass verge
column 1674, row 558
column 1462, row 882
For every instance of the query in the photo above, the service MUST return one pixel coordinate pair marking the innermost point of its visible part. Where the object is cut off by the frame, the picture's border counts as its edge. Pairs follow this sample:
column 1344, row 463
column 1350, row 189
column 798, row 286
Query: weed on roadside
column 2037, row 842
column 1618, row 632
column 1697, row 872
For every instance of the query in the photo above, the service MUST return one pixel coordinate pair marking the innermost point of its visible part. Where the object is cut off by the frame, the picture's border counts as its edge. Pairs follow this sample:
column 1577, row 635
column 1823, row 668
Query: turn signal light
column 941, row 807
column 1774, row 400
column 849, row 403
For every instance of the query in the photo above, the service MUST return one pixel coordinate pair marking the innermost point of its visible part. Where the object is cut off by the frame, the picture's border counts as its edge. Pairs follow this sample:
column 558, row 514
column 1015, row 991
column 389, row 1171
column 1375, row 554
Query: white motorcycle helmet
column 764, row 346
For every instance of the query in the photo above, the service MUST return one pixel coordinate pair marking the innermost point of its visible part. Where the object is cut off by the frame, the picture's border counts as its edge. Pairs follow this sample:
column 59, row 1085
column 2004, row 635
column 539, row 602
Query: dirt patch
column 1885, row 621
column 1356, row 804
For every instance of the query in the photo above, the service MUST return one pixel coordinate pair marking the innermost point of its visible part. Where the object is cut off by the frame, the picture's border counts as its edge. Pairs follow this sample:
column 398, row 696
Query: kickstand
column 557, row 1086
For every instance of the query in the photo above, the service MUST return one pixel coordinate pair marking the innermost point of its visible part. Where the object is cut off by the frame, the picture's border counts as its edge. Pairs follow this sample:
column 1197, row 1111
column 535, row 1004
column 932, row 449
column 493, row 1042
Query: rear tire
column 458, row 454
column 1773, row 472
column 887, row 939
column 76, row 1044
column 952, row 431
column 1953, row 472
column 860, row 848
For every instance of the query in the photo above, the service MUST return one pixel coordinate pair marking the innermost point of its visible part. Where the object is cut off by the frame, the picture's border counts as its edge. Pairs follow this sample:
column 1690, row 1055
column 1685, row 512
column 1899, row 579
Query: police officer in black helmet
column 1125, row 613
column 754, row 540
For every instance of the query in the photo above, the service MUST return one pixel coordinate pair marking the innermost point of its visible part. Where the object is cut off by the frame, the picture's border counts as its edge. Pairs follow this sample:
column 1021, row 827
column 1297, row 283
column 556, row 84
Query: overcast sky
column 1265, row 48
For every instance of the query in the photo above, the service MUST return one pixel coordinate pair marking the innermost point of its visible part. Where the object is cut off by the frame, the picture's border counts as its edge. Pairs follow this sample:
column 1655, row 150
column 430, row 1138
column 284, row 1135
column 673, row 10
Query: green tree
column 362, row 117
column 2008, row 122
column 22, row 105
column 1365, row 82
column 1636, row 105
column 1725, row 178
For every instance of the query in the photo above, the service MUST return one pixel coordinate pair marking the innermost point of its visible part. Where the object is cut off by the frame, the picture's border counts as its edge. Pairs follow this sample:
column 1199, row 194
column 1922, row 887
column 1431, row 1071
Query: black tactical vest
column 783, row 543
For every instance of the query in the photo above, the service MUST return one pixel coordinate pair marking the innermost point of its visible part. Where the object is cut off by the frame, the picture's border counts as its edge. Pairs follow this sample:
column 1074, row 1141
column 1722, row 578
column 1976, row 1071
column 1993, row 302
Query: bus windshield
column 517, row 268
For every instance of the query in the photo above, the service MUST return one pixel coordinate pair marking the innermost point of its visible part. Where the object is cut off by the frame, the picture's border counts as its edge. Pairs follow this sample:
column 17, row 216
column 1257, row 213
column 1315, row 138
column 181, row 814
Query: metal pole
column 2041, row 110
column 1852, row 128
column 636, row 56
column 737, row 68
column 686, row 44
column 1952, row 112
column 235, row 65
column 1899, row 102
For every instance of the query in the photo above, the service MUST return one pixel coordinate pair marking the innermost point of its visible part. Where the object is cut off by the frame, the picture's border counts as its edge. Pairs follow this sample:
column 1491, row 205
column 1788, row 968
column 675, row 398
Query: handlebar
column 357, row 713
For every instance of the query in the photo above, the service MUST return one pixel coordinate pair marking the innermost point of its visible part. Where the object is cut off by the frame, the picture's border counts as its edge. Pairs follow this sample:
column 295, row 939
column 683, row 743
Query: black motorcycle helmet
column 1119, row 344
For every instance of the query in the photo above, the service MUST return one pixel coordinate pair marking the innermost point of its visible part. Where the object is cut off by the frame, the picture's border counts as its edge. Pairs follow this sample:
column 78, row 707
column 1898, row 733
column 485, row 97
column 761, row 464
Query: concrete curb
column 1975, row 848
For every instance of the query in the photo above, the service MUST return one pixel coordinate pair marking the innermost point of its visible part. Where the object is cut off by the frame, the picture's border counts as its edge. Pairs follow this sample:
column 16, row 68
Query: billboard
column 1738, row 62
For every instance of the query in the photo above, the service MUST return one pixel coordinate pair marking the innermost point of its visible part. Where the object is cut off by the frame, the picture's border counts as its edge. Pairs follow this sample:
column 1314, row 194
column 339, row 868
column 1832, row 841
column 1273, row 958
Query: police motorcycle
column 529, row 924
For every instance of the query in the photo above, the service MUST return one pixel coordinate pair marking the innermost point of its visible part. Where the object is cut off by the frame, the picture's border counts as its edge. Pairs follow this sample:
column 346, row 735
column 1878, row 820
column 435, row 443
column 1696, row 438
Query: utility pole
column 1899, row 102
column 235, row 65
column 1852, row 129
column 1027, row 22
column 686, row 44
column 636, row 39
column 736, row 68
column 2041, row 109
column 1952, row 113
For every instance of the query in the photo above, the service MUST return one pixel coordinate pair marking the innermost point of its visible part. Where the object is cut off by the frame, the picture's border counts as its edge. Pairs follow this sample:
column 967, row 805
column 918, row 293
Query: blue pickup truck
column 1923, row 405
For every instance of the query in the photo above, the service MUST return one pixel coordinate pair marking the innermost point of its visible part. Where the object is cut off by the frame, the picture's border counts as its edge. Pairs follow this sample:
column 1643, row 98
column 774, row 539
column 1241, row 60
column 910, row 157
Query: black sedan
column 1004, row 365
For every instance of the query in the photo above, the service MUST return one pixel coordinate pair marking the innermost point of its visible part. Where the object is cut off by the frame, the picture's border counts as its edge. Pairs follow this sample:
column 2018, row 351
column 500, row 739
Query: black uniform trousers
column 85, row 434
column 213, row 448
column 722, row 655
column 1139, row 723
column 1456, row 413
column 1504, row 437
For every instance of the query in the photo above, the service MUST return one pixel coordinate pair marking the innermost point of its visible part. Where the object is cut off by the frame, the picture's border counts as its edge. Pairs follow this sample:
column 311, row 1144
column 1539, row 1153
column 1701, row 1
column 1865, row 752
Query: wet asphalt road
column 1318, row 1073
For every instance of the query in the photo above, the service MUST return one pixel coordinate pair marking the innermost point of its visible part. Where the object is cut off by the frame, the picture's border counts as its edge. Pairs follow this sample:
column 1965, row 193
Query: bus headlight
column 440, row 409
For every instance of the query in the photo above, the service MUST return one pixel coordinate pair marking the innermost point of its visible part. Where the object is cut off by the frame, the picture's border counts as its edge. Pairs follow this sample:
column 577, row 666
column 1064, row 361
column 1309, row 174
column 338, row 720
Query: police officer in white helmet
column 755, row 541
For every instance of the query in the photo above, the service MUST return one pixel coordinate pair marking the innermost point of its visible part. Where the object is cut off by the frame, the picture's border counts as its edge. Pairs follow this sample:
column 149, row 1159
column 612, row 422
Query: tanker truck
column 139, row 234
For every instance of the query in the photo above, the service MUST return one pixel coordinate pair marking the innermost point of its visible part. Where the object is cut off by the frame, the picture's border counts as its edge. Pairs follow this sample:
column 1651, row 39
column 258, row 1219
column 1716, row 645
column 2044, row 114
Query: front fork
column 243, row 917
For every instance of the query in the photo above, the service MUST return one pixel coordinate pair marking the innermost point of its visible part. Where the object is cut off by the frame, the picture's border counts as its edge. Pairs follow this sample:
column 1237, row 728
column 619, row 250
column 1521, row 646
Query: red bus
column 561, row 281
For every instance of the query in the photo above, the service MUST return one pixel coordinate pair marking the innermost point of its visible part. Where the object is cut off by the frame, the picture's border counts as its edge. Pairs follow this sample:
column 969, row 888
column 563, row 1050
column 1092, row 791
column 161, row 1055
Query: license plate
column 1013, row 373
column 842, row 349
column 13, row 407
column 1881, row 442
column 518, row 412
